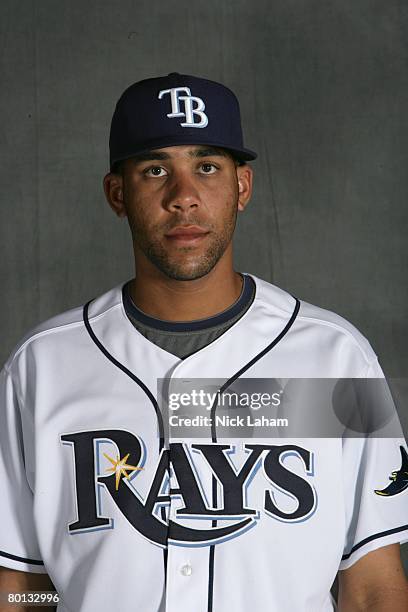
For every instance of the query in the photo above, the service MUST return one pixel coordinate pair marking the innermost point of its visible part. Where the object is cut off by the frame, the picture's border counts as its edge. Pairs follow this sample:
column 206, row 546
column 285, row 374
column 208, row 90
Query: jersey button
column 186, row 570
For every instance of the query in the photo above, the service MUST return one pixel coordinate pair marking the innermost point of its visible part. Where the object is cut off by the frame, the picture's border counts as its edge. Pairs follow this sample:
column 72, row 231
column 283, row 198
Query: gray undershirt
column 185, row 342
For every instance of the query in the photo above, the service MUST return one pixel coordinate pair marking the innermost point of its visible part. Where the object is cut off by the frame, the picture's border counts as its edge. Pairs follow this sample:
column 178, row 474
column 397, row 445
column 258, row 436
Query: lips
column 187, row 231
column 186, row 234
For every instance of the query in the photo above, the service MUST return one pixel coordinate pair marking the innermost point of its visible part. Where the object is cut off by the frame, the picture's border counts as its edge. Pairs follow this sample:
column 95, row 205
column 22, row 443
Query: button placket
column 187, row 566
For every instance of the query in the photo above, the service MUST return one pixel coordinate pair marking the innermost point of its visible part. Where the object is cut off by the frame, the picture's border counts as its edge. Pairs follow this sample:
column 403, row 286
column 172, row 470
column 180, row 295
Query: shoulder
column 63, row 327
column 317, row 324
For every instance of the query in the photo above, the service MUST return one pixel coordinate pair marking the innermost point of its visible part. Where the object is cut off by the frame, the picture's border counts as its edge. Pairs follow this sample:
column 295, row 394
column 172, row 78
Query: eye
column 155, row 171
column 208, row 168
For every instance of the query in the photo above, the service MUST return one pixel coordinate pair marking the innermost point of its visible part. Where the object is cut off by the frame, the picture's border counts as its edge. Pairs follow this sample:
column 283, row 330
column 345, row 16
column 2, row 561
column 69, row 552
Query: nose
column 182, row 194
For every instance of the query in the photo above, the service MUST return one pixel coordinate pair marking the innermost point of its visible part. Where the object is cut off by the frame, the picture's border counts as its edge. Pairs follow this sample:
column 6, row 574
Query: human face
column 181, row 203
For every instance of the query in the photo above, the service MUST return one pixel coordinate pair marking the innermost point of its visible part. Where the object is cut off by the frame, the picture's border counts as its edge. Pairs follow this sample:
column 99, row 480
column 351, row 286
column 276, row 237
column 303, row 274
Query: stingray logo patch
column 399, row 478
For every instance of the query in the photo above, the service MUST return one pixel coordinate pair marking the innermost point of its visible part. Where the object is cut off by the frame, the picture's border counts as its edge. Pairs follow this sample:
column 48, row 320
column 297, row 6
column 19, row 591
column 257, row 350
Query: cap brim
column 240, row 154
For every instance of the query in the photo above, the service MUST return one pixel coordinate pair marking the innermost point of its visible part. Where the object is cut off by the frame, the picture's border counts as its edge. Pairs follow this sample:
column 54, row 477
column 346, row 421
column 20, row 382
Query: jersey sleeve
column 375, row 484
column 19, row 549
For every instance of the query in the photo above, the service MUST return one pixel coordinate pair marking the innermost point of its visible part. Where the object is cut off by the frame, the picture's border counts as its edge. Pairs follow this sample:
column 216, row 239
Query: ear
column 113, row 187
column 244, row 176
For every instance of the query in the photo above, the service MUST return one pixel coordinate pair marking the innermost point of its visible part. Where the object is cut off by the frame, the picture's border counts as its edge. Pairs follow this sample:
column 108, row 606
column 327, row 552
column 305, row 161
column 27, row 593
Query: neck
column 173, row 300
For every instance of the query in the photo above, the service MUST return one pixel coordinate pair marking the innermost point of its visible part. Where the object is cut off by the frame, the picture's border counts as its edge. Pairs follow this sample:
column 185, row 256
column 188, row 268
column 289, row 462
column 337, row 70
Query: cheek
column 223, row 202
column 141, row 223
column 141, row 210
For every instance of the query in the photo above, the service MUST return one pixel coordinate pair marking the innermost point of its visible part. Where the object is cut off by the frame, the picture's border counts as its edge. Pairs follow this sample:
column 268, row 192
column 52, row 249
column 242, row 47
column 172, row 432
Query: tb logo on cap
column 189, row 112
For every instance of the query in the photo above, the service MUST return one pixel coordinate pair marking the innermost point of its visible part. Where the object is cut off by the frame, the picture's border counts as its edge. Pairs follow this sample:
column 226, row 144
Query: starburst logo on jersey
column 120, row 467
column 209, row 485
column 399, row 478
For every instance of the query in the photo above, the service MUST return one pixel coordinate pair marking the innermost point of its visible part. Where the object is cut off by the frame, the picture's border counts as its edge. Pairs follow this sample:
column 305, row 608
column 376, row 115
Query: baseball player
column 102, row 497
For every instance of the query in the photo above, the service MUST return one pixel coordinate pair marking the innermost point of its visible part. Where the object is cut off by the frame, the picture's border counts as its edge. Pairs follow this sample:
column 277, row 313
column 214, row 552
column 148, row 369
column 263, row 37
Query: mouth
column 186, row 234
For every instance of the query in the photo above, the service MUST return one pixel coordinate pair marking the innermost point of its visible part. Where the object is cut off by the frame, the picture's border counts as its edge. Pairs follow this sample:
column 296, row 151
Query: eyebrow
column 160, row 155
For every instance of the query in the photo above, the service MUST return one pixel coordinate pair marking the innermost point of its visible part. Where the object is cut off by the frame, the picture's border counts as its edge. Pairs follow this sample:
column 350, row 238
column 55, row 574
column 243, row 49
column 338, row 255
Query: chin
column 186, row 272
column 185, row 266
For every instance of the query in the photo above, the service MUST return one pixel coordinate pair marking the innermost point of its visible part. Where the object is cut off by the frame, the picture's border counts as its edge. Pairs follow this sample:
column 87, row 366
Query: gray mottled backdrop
column 323, row 86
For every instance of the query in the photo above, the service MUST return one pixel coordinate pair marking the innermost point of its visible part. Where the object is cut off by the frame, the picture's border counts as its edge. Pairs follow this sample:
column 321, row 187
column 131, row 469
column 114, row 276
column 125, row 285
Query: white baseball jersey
column 122, row 516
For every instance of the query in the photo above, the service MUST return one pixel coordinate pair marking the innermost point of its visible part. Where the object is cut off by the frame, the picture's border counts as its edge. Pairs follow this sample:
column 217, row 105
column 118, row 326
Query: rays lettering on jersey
column 149, row 514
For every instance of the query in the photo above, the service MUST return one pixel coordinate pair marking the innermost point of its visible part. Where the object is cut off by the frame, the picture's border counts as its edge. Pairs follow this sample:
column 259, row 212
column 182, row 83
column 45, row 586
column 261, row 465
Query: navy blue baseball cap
column 176, row 109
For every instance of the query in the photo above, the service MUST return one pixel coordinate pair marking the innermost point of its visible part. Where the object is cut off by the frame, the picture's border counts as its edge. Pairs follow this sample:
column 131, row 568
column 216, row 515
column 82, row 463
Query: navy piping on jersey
column 141, row 385
column 370, row 538
column 214, row 437
column 124, row 369
column 251, row 363
column 22, row 559
column 189, row 326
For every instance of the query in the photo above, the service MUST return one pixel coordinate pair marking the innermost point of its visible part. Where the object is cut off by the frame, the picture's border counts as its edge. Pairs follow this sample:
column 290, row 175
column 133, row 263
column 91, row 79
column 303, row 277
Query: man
column 108, row 500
